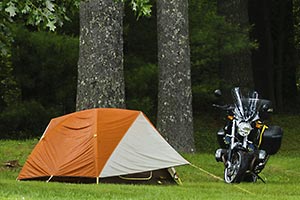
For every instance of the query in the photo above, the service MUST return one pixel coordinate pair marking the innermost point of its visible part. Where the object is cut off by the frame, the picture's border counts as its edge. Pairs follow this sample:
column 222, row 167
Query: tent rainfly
column 102, row 145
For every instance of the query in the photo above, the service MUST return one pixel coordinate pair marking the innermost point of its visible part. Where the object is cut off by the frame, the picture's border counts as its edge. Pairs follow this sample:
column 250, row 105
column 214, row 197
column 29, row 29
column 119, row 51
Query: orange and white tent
column 99, row 144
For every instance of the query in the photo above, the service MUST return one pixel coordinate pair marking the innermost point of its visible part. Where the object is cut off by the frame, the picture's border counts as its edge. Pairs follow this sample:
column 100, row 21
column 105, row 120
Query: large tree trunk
column 100, row 66
column 175, row 117
column 275, row 60
column 236, row 67
column 285, row 53
column 263, row 57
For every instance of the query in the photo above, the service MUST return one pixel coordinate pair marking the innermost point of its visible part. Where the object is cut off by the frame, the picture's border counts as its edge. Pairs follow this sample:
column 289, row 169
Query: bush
column 23, row 121
column 141, row 89
column 45, row 66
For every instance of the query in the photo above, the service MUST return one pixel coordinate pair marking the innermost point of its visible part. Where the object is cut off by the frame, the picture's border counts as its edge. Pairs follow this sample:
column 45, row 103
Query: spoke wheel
column 234, row 171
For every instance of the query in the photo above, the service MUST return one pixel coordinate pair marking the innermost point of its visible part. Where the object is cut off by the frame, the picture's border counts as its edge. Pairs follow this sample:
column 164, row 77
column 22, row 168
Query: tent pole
column 97, row 180
column 49, row 178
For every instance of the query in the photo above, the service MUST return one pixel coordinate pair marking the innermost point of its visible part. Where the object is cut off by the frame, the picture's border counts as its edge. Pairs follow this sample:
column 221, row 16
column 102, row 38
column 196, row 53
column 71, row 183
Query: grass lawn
column 282, row 175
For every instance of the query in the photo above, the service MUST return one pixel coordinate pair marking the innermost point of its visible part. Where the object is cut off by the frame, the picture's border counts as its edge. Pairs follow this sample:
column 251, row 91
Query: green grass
column 282, row 175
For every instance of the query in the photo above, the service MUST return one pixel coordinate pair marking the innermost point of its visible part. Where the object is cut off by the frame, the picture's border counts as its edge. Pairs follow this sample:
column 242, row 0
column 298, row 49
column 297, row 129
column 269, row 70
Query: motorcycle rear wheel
column 234, row 171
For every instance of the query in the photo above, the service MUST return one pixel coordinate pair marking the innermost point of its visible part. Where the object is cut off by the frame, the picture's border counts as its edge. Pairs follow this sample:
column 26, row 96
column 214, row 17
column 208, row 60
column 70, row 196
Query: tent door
column 137, row 178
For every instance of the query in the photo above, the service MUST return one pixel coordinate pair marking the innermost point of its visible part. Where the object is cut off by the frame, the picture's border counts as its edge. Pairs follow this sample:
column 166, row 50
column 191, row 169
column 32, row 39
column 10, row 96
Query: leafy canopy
column 45, row 14
column 50, row 13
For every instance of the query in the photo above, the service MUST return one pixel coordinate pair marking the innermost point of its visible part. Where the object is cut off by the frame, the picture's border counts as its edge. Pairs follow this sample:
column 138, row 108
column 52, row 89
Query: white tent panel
column 141, row 149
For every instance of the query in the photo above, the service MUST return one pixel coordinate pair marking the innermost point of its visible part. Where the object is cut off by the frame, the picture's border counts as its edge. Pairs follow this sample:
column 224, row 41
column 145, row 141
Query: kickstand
column 260, row 178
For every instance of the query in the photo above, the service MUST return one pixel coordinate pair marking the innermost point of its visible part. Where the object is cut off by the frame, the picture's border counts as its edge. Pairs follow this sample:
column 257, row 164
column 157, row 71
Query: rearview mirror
column 218, row 93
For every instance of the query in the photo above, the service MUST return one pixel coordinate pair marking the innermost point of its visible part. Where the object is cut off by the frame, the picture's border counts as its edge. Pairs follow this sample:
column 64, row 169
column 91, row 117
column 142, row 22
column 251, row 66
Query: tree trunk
column 263, row 57
column 275, row 60
column 289, row 56
column 175, row 117
column 100, row 66
column 279, row 34
column 236, row 68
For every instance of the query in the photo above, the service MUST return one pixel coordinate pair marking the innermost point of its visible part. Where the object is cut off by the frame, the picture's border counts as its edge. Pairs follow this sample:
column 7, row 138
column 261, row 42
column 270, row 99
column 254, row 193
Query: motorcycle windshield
column 246, row 107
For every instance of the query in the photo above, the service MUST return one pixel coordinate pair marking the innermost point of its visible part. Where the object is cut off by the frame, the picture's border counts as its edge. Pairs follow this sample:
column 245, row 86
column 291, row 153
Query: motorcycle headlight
column 244, row 128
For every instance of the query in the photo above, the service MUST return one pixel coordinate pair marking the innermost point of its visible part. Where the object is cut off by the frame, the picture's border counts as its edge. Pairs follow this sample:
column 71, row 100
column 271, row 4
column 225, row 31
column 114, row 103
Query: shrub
column 141, row 89
column 44, row 70
column 24, row 120
column 45, row 66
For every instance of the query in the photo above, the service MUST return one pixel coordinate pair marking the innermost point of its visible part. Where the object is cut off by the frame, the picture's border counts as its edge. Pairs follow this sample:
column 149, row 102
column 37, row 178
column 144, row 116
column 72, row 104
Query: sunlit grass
column 282, row 175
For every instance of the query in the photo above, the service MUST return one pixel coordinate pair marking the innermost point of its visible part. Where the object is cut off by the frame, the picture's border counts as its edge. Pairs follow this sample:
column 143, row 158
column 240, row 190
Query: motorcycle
column 246, row 142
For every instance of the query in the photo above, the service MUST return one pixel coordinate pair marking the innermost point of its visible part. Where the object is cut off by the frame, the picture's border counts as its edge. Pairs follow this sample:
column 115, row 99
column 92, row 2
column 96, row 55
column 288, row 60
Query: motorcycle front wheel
column 236, row 167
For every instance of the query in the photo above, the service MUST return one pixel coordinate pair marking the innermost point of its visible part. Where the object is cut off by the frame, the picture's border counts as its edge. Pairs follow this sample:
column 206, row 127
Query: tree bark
column 236, row 68
column 100, row 66
column 275, row 60
column 263, row 57
column 288, row 60
column 175, row 116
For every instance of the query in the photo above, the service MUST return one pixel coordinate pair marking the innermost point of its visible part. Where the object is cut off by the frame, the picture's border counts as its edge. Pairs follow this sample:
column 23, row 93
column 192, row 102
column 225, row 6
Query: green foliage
column 9, row 91
column 45, row 69
column 24, row 120
column 141, row 89
column 140, row 7
column 140, row 53
column 140, row 39
column 212, row 38
column 5, row 40
column 205, row 53
column 203, row 96
column 46, row 13
column 204, row 26
column 45, row 66
column 296, row 12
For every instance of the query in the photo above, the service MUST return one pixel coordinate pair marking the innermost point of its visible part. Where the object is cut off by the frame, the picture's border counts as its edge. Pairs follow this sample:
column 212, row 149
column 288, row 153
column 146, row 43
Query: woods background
column 253, row 44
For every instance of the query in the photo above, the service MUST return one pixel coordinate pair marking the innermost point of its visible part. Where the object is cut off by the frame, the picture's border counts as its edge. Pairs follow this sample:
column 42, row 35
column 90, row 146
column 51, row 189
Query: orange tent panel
column 107, row 140
column 78, row 144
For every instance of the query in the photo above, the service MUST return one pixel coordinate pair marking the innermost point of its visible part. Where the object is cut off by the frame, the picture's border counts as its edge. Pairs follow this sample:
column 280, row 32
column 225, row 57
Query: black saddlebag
column 271, row 140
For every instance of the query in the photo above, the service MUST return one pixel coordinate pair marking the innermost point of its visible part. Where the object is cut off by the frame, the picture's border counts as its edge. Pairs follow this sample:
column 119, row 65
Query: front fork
column 225, row 154
column 232, row 144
